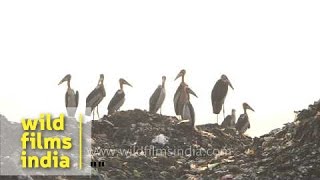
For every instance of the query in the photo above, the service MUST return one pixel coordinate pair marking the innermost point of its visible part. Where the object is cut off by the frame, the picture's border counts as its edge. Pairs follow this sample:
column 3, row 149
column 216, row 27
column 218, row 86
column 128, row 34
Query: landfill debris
column 159, row 147
column 160, row 139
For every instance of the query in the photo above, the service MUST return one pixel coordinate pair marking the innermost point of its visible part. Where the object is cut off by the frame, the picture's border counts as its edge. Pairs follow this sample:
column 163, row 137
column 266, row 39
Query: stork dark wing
column 91, row 98
column 154, row 99
column 71, row 102
column 66, row 99
column 94, row 98
column 218, row 95
column 243, row 123
column 98, row 91
column 226, row 122
column 177, row 95
column 188, row 113
column 77, row 98
column 191, row 113
column 116, row 99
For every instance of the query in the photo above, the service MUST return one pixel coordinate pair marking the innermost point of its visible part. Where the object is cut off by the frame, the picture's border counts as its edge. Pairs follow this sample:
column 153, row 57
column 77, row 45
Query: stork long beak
column 179, row 75
column 230, row 84
column 191, row 92
column 250, row 108
column 125, row 82
column 64, row 79
column 61, row 81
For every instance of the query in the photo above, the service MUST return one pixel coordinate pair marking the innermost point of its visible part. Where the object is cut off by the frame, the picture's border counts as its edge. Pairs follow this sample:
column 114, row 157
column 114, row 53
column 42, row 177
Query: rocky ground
column 141, row 145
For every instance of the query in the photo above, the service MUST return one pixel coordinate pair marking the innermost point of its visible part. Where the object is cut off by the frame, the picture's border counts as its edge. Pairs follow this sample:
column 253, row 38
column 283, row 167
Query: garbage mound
column 290, row 152
column 158, row 147
column 136, row 144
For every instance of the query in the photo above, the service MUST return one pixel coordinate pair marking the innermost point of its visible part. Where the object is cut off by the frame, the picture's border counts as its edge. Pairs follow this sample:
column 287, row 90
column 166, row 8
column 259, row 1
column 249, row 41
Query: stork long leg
column 93, row 114
column 160, row 111
column 217, row 118
column 224, row 116
column 98, row 111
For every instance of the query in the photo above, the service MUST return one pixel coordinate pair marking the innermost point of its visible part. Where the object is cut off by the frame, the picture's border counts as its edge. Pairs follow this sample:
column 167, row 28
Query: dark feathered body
column 177, row 99
column 188, row 112
column 71, row 101
column 157, row 98
column 243, row 123
column 94, row 98
column 229, row 122
column 218, row 95
column 116, row 102
column 71, row 97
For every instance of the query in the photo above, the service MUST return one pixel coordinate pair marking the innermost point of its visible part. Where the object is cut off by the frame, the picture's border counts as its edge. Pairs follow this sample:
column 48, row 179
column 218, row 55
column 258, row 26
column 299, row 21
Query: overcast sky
column 268, row 49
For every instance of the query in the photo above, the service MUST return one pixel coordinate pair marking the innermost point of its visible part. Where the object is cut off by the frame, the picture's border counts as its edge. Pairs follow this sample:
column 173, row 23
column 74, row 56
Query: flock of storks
column 182, row 104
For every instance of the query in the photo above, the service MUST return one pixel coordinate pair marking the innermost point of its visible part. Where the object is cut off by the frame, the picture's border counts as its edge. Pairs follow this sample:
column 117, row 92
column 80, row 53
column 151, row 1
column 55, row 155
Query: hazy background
column 268, row 49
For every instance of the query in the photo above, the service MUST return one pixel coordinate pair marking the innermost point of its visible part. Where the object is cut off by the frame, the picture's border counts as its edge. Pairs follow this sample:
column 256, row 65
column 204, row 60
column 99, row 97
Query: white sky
column 268, row 49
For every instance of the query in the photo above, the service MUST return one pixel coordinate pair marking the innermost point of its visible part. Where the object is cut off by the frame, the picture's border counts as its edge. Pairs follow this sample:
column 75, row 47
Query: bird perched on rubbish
column 178, row 92
column 230, row 120
column 118, row 99
column 243, row 121
column 95, row 97
column 157, row 98
column 187, row 108
column 219, row 93
column 71, row 97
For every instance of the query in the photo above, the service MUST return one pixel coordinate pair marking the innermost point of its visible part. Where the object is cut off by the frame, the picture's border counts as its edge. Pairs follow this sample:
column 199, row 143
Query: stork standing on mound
column 178, row 92
column 219, row 93
column 71, row 97
column 230, row 120
column 157, row 98
column 118, row 98
column 243, row 122
column 95, row 97
column 178, row 100
column 187, row 108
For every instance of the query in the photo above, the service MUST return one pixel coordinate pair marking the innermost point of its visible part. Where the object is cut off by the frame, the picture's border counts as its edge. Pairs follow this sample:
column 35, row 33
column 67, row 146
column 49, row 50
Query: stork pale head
column 164, row 79
column 122, row 81
column 246, row 106
column 181, row 73
column 66, row 78
column 225, row 79
column 101, row 79
column 233, row 111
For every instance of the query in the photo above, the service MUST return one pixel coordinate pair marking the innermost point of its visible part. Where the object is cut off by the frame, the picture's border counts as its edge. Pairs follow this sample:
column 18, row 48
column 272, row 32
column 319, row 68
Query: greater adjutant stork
column 95, row 97
column 230, row 120
column 187, row 108
column 219, row 93
column 157, row 98
column 71, row 97
column 118, row 98
column 177, row 101
column 243, row 122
